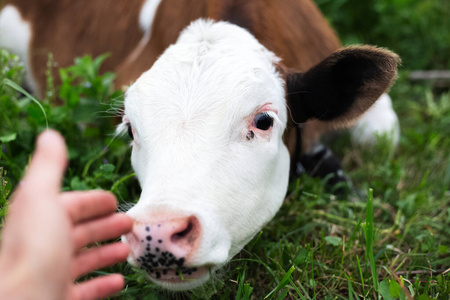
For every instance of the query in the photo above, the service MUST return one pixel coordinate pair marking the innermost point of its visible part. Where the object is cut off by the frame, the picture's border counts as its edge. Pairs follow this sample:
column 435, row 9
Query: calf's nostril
column 186, row 233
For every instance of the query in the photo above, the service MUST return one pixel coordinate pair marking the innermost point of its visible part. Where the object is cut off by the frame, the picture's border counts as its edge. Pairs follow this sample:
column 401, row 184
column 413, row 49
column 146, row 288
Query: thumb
column 49, row 161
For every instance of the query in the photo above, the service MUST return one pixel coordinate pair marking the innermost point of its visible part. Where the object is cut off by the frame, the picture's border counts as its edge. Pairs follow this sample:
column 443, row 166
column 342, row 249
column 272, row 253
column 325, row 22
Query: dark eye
column 130, row 131
column 263, row 121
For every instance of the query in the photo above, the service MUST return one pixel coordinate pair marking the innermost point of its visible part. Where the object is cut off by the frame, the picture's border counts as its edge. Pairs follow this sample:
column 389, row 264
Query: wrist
column 17, row 282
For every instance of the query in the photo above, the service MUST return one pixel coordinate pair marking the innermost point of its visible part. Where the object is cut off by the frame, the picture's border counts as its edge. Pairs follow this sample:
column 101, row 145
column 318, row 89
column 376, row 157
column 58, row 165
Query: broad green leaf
column 77, row 185
column 333, row 240
column 384, row 290
column 395, row 289
column 8, row 138
column 442, row 249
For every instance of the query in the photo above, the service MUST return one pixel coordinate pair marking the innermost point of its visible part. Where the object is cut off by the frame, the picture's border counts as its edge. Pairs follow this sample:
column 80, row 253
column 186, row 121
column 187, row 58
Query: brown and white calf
column 213, row 111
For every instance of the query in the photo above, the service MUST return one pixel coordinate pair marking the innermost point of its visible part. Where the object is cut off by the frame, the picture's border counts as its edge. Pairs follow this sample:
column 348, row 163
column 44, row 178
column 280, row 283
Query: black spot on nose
column 180, row 262
column 149, row 238
column 147, row 228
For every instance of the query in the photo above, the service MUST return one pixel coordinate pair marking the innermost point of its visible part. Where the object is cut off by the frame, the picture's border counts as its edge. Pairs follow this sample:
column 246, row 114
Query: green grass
column 394, row 245
column 418, row 30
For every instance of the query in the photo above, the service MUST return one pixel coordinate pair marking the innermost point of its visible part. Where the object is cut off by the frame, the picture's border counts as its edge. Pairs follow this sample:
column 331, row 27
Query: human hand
column 40, row 254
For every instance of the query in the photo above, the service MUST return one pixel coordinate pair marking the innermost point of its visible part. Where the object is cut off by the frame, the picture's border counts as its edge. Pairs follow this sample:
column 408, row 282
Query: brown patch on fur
column 238, row 12
column 290, row 139
column 312, row 130
column 295, row 30
column 69, row 29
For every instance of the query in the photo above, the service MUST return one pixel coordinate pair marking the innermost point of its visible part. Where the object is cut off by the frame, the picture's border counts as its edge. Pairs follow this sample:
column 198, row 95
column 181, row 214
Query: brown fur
column 171, row 18
column 69, row 29
column 294, row 29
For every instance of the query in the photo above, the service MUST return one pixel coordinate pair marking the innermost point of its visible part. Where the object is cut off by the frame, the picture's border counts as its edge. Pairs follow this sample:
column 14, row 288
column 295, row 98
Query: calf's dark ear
column 343, row 86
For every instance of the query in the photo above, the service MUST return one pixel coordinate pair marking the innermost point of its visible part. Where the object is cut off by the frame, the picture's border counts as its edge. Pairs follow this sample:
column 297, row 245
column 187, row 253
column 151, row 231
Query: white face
column 205, row 152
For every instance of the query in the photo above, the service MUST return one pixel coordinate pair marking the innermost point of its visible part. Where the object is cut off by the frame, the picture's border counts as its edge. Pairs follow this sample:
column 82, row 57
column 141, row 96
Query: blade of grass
column 350, row 288
column 283, row 282
column 247, row 290
column 91, row 161
column 241, row 279
column 368, row 233
column 15, row 86
column 360, row 274
column 294, row 286
column 120, row 181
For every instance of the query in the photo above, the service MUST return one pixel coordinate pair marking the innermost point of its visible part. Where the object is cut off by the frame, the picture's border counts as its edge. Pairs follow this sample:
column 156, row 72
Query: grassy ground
column 319, row 246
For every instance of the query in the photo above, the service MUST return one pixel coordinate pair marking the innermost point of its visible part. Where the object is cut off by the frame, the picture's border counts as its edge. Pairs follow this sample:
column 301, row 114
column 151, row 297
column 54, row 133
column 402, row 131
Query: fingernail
column 44, row 138
column 49, row 137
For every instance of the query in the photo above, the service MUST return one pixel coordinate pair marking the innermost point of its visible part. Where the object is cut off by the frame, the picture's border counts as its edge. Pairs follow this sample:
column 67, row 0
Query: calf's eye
column 263, row 121
column 130, row 131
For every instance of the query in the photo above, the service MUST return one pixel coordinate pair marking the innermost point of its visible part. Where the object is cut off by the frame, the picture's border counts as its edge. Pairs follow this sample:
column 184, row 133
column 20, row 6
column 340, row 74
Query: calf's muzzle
column 164, row 246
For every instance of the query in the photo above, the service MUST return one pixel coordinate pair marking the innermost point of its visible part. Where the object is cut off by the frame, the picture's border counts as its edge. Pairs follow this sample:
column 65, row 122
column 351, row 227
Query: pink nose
column 164, row 245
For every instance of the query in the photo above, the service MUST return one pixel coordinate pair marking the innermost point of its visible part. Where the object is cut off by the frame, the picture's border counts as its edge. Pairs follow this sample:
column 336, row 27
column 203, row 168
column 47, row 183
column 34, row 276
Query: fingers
column 101, row 229
column 97, row 288
column 83, row 206
column 100, row 257
column 45, row 172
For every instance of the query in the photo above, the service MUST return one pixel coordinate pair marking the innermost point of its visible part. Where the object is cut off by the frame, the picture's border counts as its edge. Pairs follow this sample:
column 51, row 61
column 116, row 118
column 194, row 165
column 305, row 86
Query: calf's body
column 212, row 135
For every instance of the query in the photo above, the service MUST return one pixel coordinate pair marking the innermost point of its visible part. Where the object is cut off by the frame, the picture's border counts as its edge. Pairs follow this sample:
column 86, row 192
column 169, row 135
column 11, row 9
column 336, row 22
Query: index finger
column 85, row 205
column 49, row 161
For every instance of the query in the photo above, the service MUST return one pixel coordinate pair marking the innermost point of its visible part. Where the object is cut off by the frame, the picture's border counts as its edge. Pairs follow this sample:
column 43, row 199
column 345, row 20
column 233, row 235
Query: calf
column 214, row 121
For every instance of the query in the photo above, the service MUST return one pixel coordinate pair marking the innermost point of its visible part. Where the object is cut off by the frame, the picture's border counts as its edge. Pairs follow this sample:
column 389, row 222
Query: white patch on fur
column 146, row 19
column 190, row 114
column 15, row 36
column 379, row 120
column 147, row 15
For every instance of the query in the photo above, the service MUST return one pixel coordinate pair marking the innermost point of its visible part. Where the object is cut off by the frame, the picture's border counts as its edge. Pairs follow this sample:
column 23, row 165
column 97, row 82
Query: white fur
column 147, row 15
column 15, row 36
column 379, row 120
column 190, row 114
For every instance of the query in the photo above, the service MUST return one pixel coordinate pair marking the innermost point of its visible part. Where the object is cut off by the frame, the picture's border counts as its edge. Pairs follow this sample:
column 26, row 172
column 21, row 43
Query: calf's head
column 207, row 123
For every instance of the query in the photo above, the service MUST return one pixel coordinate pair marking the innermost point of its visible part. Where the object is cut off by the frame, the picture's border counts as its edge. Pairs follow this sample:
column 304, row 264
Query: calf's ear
column 343, row 86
